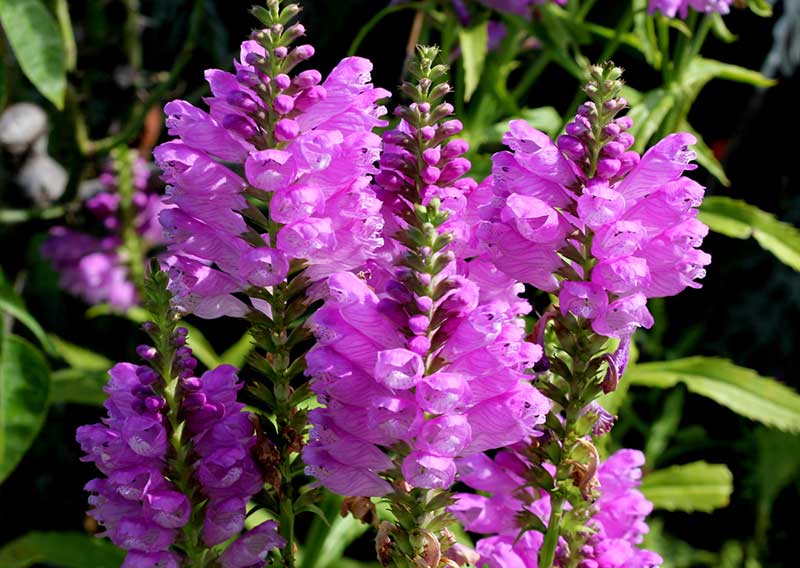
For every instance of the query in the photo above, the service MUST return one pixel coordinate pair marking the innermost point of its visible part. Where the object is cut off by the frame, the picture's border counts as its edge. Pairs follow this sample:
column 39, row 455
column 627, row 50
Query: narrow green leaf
column 760, row 8
column 473, row 43
column 740, row 220
column 36, row 40
column 545, row 119
column 645, row 31
column 24, row 394
column 720, row 29
column 697, row 486
column 67, row 34
column 78, row 386
column 11, row 303
column 706, row 157
column 237, row 353
column 60, row 549
column 702, row 70
column 79, row 357
column 648, row 115
column 742, row 390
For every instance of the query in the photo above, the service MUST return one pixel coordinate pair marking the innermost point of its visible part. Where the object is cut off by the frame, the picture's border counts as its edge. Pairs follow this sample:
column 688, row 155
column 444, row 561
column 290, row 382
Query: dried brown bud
column 362, row 508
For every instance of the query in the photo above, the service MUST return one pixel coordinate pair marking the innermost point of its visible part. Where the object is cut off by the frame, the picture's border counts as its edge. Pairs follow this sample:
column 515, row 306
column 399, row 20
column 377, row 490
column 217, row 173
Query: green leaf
column 60, row 549
column 648, row 115
column 696, row 486
column 706, row 157
column 12, row 304
column 36, row 40
column 545, row 119
column 742, row 390
column 237, row 353
column 740, row 220
column 79, row 357
column 24, row 394
column 701, row 71
column 760, row 8
column 473, row 43
column 79, row 386
column 720, row 29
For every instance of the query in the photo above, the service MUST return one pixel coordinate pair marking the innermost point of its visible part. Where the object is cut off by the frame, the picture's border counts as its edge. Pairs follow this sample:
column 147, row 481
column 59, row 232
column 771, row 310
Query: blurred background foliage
column 721, row 441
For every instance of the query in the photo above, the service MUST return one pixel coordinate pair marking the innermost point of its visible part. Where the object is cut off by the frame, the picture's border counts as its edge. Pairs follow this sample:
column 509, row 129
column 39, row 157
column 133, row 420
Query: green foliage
column 79, row 386
column 697, row 486
column 742, row 390
column 24, row 394
column 473, row 51
column 740, row 220
column 37, row 42
column 11, row 304
column 61, row 550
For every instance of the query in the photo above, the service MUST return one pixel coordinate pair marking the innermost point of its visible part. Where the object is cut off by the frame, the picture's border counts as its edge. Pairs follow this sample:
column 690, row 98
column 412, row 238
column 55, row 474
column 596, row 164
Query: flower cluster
column 617, row 517
column 140, row 508
column 96, row 268
column 307, row 150
column 429, row 358
column 588, row 219
column 672, row 8
column 145, row 501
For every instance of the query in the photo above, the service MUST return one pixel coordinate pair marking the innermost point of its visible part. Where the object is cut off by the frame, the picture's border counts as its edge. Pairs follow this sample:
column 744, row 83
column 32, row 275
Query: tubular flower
column 429, row 354
column 96, row 268
column 680, row 8
column 617, row 518
column 144, row 501
column 306, row 150
column 590, row 220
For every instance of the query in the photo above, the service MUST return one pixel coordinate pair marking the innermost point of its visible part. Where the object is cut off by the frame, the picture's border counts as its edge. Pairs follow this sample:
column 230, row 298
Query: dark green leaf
column 740, row 220
column 80, row 357
column 706, row 157
column 62, row 550
column 648, row 115
column 12, row 304
column 473, row 54
column 79, row 386
column 697, row 486
column 24, row 393
column 37, row 43
column 740, row 389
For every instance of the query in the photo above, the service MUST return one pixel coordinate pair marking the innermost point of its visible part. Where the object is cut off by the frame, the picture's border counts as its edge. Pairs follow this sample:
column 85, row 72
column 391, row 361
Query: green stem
column 134, row 256
column 548, row 552
column 376, row 19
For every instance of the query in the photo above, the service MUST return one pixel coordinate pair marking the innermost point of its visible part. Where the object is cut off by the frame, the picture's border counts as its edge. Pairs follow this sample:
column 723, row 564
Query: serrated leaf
column 473, row 42
column 78, row 386
column 62, row 550
column 742, row 390
column 24, row 395
column 697, row 486
column 36, row 40
column 12, row 304
column 740, row 220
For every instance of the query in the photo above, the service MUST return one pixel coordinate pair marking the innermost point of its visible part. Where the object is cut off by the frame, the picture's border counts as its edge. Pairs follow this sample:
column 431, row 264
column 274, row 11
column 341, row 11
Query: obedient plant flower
column 587, row 219
column 615, row 526
column 175, row 453
column 306, row 150
column 423, row 362
column 99, row 269
column 681, row 8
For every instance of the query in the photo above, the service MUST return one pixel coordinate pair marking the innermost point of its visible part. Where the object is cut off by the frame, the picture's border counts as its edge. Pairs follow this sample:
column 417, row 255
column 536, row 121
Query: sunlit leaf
column 36, row 40
column 79, row 357
column 697, row 486
column 24, row 394
column 742, row 390
column 79, row 386
column 740, row 220
column 473, row 43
